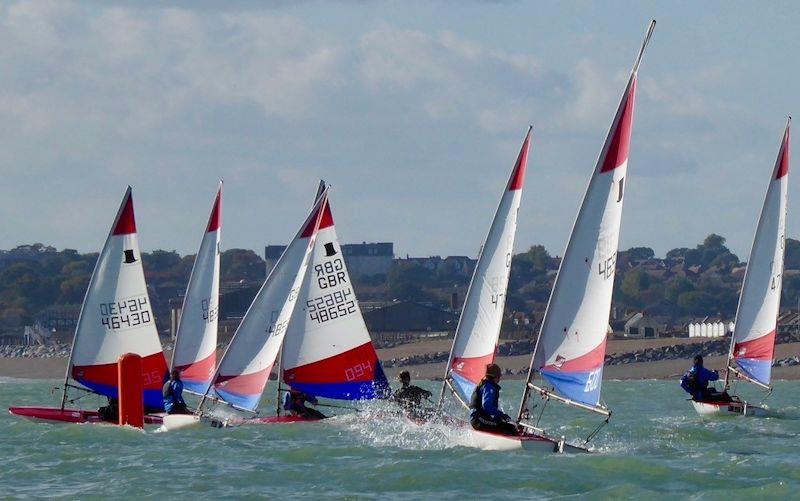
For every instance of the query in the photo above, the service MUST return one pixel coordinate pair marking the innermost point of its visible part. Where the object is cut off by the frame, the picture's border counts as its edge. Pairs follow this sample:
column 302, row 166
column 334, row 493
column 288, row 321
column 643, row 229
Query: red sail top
column 125, row 223
column 782, row 165
column 518, row 174
column 325, row 222
column 214, row 219
column 618, row 148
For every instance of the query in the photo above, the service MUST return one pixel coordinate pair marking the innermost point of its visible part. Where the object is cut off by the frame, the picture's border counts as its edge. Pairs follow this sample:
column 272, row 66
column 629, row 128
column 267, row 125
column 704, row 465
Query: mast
column 482, row 313
column 575, row 372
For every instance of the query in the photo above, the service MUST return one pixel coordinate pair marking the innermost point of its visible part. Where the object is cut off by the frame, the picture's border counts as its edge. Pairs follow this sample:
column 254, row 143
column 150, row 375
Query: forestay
column 245, row 367
column 117, row 317
column 195, row 352
column 753, row 342
column 571, row 345
column 478, row 328
column 327, row 350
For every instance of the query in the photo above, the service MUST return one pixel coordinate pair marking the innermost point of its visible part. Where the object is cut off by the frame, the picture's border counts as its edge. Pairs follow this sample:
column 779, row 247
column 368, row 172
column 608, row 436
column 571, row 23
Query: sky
column 414, row 112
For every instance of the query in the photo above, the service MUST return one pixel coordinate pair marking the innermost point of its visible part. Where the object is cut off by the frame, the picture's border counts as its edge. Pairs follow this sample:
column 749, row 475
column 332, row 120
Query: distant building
column 368, row 259
column 271, row 255
column 709, row 327
column 364, row 259
column 642, row 326
column 61, row 317
column 409, row 316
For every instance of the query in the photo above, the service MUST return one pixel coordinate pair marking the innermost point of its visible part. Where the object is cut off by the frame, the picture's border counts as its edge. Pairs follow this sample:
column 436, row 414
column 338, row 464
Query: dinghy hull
column 59, row 415
column 179, row 421
column 527, row 442
column 735, row 408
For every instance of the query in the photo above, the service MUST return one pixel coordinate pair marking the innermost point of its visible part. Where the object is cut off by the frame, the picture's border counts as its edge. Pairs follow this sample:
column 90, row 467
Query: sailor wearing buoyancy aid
column 695, row 381
column 486, row 413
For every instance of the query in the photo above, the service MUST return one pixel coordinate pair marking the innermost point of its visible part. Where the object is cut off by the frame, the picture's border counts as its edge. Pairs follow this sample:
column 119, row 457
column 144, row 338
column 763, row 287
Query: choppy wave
column 654, row 446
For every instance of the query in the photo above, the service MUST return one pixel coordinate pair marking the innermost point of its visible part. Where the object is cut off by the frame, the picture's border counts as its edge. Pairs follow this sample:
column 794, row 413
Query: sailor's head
column 493, row 372
column 175, row 374
column 698, row 360
column 404, row 377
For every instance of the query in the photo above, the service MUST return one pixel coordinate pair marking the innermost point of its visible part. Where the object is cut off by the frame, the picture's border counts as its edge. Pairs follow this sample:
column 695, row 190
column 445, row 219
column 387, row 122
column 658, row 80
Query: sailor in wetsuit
column 409, row 397
column 695, row 383
column 110, row 412
column 172, row 391
column 486, row 413
column 295, row 402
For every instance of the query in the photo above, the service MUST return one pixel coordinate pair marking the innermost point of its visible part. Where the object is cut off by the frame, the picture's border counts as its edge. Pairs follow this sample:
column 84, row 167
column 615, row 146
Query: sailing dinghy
column 195, row 353
column 570, row 349
column 244, row 369
column 478, row 330
column 116, row 318
column 327, row 351
column 753, row 341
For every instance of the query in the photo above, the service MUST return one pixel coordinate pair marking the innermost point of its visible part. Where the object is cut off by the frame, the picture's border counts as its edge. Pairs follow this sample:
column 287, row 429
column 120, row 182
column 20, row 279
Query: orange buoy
column 131, row 390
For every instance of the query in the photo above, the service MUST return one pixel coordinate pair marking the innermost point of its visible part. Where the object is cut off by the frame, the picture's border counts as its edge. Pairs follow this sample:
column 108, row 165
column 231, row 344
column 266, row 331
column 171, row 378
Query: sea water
column 654, row 445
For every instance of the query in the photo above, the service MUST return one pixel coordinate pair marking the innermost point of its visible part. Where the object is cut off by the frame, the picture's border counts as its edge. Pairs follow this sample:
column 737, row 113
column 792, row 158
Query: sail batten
column 195, row 352
column 478, row 328
column 753, row 342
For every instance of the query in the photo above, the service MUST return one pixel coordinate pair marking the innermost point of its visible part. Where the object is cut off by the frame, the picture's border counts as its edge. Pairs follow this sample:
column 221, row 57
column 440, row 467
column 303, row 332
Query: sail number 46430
column 125, row 313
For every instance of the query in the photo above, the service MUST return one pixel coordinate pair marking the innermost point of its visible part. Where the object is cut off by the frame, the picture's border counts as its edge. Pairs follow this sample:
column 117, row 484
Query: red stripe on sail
column 125, row 223
column 154, row 372
column 472, row 368
column 782, row 166
column 618, row 149
column 202, row 370
column 518, row 174
column 759, row 349
column 356, row 365
column 587, row 362
column 244, row 384
column 213, row 220
column 325, row 222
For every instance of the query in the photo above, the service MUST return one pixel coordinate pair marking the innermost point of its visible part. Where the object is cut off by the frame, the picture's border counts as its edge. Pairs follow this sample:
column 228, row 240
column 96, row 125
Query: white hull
column 729, row 409
column 172, row 422
column 537, row 443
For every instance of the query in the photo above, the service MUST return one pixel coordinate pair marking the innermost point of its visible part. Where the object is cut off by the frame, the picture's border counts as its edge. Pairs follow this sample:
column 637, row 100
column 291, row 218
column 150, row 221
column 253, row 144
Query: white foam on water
column 382, row 424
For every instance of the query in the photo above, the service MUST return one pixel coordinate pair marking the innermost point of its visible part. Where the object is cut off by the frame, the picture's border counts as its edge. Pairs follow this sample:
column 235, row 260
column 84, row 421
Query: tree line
column 685, row 283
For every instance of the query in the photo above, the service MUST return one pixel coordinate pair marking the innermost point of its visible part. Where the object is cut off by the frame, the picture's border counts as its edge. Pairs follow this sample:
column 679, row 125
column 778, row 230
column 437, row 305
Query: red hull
column 56, row 414
column 277, row 419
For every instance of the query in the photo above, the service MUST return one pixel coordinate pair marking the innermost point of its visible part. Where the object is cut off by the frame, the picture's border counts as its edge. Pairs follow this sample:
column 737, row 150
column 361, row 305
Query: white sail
column 478, row 328
column 571, row 346
column 195, row 352
column 116, row 317
column 753, row 343
column 327, row 349
column 245, row 367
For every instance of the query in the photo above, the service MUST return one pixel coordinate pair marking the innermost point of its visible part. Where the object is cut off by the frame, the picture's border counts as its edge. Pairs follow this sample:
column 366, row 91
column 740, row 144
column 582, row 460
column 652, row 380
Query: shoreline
column 55, row 367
